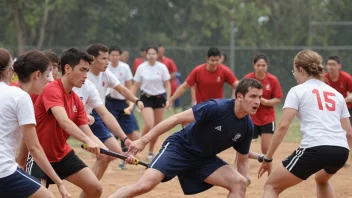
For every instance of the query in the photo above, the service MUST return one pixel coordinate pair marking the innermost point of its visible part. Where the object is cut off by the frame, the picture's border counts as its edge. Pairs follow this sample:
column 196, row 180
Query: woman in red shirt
column 264, row 119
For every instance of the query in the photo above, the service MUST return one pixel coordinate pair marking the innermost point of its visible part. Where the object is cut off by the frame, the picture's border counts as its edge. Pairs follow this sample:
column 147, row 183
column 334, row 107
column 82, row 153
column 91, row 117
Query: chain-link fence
column 280, row 61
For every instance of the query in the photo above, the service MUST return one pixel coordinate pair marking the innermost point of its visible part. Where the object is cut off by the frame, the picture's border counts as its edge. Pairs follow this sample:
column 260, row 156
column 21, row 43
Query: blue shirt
column 216, row 128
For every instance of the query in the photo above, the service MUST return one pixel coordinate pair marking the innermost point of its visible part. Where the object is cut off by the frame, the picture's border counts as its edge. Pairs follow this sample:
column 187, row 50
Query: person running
column 191, row 153
column 153, row 78
column 323, row 116
column 17, row 121
column 209, row 78
column 339, row 80
column 60, row 113
column 264, row 119
column 140, row 60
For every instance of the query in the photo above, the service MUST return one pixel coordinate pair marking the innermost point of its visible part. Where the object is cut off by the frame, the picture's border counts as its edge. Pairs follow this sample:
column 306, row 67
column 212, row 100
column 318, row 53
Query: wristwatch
column 268, row 160
column 261, row 158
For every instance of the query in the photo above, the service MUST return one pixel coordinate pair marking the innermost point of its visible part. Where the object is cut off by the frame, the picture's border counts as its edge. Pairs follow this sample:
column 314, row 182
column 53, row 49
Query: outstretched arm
column 278, row 136
column 164, row 126
column 179, row 91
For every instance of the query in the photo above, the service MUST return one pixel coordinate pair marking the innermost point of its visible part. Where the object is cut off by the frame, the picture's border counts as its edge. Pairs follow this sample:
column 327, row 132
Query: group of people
column 93, row 102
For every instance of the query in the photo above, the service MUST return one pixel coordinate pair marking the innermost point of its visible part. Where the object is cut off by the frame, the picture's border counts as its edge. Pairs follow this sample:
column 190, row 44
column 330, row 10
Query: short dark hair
column 95, row 48
column 52, row 56
column 259, row 56
column 72, row 57
column 115, row 48
column 142, row 49
column 30, row 62
column 245, row 84
column 214, row 52
column 335, row 58
column 152, row 47
column 160, row 45
column 5, row 58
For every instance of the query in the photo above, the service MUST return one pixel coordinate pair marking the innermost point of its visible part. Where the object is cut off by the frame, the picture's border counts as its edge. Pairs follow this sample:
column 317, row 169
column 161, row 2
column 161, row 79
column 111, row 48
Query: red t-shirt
column 136, row 63
column 210, row 85
column 51, row 136
column 171, row 66
column 271, row 89
column 342, row 85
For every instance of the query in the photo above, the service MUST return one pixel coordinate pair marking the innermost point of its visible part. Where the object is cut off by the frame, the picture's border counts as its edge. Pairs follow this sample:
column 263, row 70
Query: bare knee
column 148, row 125
column 94, row 189
column 269, row 187
column 239, row 184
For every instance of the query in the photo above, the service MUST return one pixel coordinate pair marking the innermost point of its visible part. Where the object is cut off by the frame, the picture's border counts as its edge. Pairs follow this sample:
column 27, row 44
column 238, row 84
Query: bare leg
column 88, row 182
column 133, row 136
column 100, row 165
column 146, row 183
column 158, row 117
column 279, row 180
column 324, row 187
column 265, row 141
column 42, row 192
column 229, row 178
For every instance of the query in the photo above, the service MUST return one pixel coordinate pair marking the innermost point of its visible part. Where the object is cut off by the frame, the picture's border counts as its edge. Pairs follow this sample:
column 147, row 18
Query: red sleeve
column 172, row 68
column 349, row 83
column 135, row 65
column 52, row 97
column 34, row 97
column 277, row 91
column 81, row 118
column 230, row 78
column 192, row 77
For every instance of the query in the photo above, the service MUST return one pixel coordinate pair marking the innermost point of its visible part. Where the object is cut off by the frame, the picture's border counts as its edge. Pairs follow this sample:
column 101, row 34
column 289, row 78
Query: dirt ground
column 114, row 178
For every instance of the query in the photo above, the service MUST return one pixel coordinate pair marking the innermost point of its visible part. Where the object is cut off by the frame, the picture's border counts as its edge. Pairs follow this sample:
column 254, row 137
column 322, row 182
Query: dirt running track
column 114, row 178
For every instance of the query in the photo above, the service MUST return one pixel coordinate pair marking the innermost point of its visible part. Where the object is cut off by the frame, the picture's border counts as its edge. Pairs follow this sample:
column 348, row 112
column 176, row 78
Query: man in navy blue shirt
column 190, row 154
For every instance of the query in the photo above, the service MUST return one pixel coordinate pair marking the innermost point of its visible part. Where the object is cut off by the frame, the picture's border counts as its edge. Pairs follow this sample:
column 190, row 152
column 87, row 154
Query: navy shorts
column 304, row 162
column 174, row 160
column 127, row 122
column 259, row 130
column 99, row 129
column 18, row 184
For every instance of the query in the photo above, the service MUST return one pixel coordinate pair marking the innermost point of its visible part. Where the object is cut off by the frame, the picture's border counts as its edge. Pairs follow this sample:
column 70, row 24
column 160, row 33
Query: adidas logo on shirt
column 218, row 128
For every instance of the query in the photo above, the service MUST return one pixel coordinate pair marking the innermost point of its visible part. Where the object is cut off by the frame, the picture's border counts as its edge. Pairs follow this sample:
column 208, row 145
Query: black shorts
column 350, row 110
column 304, row 162
column 69, row 165
column 259, row 130
column 155, row 102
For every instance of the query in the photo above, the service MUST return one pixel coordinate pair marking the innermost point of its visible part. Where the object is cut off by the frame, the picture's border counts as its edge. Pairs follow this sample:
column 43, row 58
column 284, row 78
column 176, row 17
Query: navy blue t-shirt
column 216, row 129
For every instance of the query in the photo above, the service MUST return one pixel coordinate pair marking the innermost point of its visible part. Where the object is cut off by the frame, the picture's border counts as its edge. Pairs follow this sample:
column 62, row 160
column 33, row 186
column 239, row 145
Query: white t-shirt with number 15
column 320, row 109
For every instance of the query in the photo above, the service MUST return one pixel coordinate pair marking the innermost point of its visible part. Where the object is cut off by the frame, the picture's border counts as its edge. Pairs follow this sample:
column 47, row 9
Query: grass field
column 293, row 134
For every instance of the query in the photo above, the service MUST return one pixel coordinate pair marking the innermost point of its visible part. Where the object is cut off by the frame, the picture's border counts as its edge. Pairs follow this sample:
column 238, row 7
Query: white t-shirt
column 152, row 77
column 102, row 82
column 320, row 109
column 89, row 96
column 123, row 73
column 16, row 109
